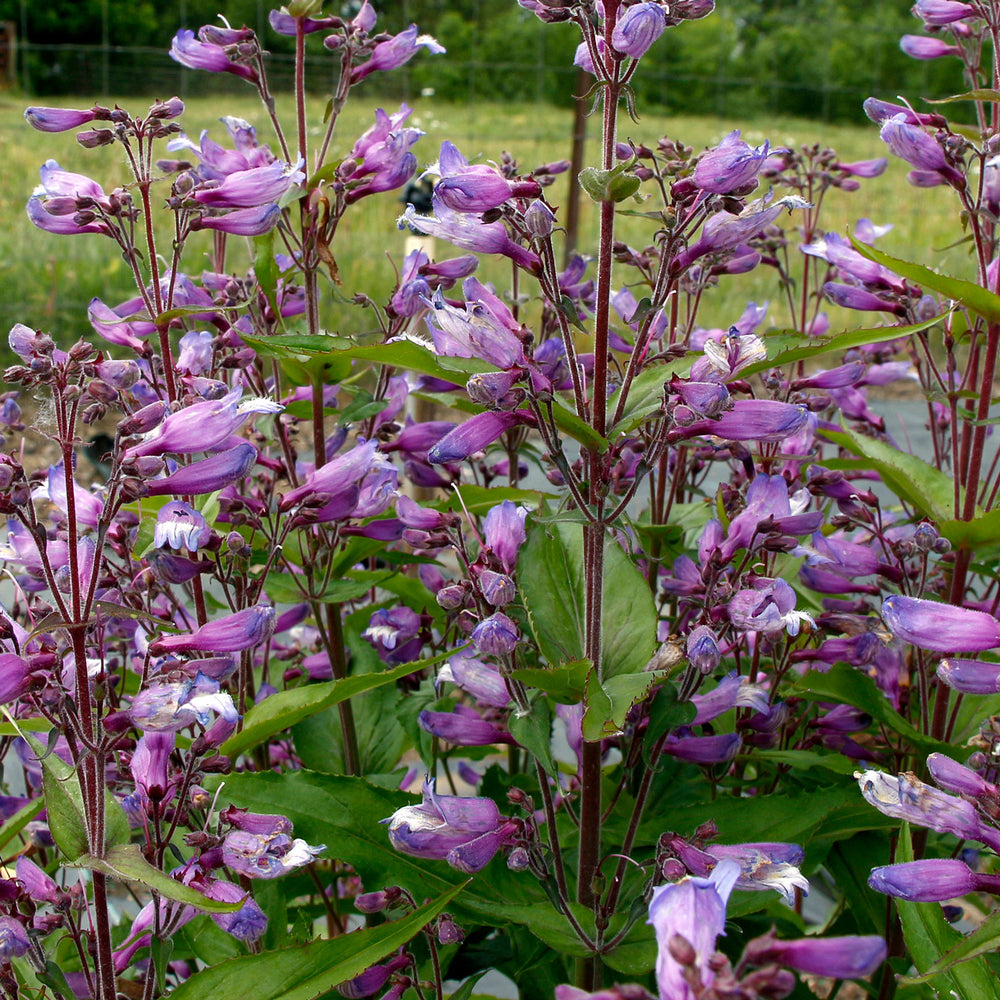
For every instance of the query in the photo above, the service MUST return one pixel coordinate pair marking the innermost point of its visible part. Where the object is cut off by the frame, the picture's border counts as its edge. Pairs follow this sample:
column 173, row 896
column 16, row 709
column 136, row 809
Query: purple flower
column 730, row 165
column 63, row 119
column 912, row 144
column 335, row 476
column 464, row 727
column 750, row 420
column 369, row 982
column 703, row 650
column 767, row 606
column 474, row 188
column 852, row 297
column 230, row 634
column 496, row 635
column 939, row 627
column 637, row 28
column 14, row 674
column 13, row 939
column 190, row 52
column 241, row 221
column 504, row 532
column 41, row 887
column 691, row 913
column 171, row 707
column 202, row 426
column 251, row 188
column 922, row 47
column 938, row 13
column 468, row 232
column 477, row 330
column 731, row 692
column 207, row 475
column 484, row 682
column 465, row 832
column 907, row 798
column 476, row 434
column 180, row 526
column 247, row 923
column 266, row 855
column 395, row 51
column 970, row 676
column 395, row 634
column 724, row 231
column 703, row 749
column 837, row 957
column 931, row 880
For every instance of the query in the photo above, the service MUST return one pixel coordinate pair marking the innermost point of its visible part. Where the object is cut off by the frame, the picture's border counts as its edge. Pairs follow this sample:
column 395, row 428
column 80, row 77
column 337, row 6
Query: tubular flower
column 230, row 634
column 693, row 911
column 931, row 880
column 730, row 165
column 637, row 28
column 395, row 51
column 939, row 628
column 465, row 832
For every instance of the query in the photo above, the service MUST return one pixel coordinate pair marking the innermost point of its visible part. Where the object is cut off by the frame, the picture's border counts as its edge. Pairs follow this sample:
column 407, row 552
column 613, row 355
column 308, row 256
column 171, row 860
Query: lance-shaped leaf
column 982, row 302
column 309, row 970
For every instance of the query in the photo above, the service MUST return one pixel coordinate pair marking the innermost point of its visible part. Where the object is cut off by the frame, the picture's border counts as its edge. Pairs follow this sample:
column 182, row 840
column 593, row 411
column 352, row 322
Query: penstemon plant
column 571, row 681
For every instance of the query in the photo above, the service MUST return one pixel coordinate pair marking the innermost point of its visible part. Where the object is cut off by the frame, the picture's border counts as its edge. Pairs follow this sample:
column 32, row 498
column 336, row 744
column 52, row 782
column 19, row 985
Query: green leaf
column 533, row 731
column 984, row 940
column 13, row 826
column 974, row 297
column 929, row 936
column 981, row 94
column 805, row 760
column 847, row 685
column 551, row 575
column 982, row 530
column 286, row 708
column 307, row 357
column 565, row 682
column 605, row 715
column 912, row 479
column 65, row 807
column 307, row 971
column 803, row 348
column 645, row 396
column 665, row 713
column 125, row 863
column 265, row 267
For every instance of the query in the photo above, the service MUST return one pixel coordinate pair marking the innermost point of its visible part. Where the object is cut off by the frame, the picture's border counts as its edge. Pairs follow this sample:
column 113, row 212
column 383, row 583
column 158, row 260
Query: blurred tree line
column 816, row 58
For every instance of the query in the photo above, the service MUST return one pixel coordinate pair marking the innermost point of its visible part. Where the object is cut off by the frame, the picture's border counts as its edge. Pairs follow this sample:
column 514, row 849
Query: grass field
column 46, row 281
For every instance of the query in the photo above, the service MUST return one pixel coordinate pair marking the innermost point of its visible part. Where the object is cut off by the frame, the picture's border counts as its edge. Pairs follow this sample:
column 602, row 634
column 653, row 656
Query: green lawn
column 46, row 281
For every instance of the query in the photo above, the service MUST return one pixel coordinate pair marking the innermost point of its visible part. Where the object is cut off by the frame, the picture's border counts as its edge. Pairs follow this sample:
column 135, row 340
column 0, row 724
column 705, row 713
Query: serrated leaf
column 912, row 479
column 126, row 864
column 981, row 301
column 804, row 348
